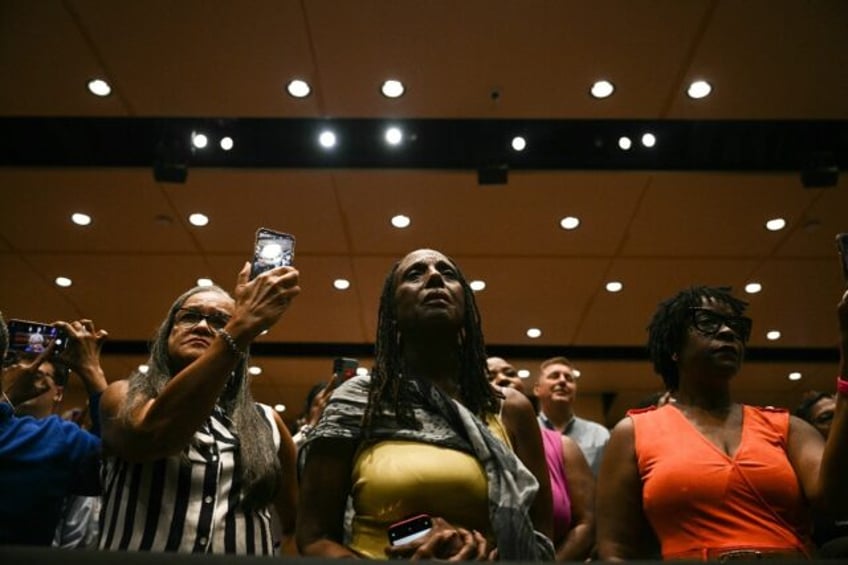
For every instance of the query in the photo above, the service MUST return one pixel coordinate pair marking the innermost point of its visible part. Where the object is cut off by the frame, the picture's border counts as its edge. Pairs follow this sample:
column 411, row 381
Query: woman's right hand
column 259, row 303
column 445, row 542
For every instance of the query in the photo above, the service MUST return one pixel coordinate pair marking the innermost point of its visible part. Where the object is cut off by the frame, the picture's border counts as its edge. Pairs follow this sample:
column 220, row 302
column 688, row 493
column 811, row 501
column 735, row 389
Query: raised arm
column 286, row 500
column 580, row 540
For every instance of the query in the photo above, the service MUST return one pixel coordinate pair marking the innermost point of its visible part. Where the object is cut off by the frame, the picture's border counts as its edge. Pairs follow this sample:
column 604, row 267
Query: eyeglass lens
column 711, row 322
column 190, row 318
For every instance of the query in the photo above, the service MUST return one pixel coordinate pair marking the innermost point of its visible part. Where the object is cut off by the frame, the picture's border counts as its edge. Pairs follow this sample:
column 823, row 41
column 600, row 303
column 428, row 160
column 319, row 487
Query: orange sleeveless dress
column 700, row 501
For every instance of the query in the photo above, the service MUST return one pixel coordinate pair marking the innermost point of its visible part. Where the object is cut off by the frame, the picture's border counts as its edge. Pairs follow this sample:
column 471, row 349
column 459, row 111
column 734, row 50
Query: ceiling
column 654, row 227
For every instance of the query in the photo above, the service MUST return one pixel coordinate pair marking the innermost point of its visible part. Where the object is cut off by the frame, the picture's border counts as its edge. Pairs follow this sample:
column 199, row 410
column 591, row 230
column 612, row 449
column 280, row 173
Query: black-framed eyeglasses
column 709, row 322
column 189, row 317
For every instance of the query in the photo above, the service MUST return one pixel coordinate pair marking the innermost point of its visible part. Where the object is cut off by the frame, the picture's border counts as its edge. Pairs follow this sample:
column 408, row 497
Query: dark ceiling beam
column 682, row 145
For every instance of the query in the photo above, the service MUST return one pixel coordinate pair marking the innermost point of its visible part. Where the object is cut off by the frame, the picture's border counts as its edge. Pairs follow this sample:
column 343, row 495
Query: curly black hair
column 387, row 378
column 667, row 330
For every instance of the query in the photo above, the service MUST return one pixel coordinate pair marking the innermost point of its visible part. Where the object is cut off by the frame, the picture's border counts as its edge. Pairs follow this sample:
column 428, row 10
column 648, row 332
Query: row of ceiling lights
column 393, row 88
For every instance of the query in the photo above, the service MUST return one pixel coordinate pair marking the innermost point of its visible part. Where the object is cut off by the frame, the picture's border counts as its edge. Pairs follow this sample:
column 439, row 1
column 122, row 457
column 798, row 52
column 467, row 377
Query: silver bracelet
column 7, row 401
column 231, row 343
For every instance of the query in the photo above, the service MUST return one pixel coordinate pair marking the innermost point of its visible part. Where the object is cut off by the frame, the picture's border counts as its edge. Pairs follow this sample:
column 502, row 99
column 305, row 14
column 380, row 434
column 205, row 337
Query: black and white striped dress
column 187, row 505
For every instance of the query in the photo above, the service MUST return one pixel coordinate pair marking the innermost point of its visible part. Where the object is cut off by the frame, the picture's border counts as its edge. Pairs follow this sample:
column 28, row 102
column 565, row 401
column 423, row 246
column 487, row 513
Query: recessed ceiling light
column 198, row 219
column 392, row 89
column 204, row 282
column 477, row 286
column 795, row 376
column 264, row 332
column 64, row 282
column 614, row 286
column 298, row 88
column 143, row 369
column 80, row 219
column 649, row 139
column 569, row 223
column 699, row 89
column 775, row 224
column 327, row 139
column 602, row 89
column 523, row 374
column 226, row 143
column 341, row 284
column 99, row 87
column 401, row 221
column 624, row 143
column 753, row 287
column 394, row 136
column 519, row 143
column 533, row 333
column 254, row 370
column 773, row 335
column 576, row 372
column 199, row 140
column 280, row 407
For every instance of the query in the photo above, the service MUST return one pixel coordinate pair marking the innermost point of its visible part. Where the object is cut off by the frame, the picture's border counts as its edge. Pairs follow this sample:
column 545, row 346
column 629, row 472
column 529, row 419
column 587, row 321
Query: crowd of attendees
column 438, row 453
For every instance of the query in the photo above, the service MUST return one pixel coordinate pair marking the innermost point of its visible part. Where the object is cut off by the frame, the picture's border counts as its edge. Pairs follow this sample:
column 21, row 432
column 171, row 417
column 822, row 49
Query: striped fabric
column 187, row 503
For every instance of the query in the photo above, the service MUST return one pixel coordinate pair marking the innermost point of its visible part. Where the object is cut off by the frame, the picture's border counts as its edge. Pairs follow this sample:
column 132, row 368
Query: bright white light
column 602, row 89
column 143, row 369
column 341, row 284
column 198, row 219
column 361, row 371
column 327, row 139
column 699, row 89
column 773, row 335
column 569, row 223
column 64, row 282
column 614, row 286
column 394, row 136
column 795, row 376
column 753, row 287
column 264, row 332
column 649, row 139
column 280, row 407
column 226, row 143
column 401, row 221
column 392, row 89
column 775, row 224
column 254, row 370
column 204, row 282
column 523, row 374
column 519, row 143
column 298, row 88
column 477, row 286
column 199, row 140
column 99, row 87
column 624, row 143
column 576, row 373
column 533, row 333
column 80, row 219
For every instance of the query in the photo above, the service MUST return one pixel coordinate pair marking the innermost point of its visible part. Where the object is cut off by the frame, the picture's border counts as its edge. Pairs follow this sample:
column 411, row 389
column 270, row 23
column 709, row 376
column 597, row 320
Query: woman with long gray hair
column 192, row 463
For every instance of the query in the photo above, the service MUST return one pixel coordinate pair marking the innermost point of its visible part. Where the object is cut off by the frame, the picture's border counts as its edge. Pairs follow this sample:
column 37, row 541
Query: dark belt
column 726, row 554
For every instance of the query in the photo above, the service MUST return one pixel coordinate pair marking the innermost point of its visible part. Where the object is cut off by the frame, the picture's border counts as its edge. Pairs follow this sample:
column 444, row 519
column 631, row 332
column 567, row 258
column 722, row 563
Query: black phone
column 272, row 249
column 34, row 337
column 345, row 368
column 410, row 529
column 842, row 246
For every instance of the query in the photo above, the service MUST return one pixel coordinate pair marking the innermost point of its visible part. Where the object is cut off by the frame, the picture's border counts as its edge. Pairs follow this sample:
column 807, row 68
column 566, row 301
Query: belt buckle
column 740, row 554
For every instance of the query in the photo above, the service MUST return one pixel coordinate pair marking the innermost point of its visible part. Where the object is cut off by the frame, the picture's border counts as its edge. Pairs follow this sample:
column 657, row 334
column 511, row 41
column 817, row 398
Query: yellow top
column 395, row 479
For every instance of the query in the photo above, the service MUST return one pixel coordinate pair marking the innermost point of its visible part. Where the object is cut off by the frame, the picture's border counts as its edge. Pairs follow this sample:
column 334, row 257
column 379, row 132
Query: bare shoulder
column 515, row 402
column 114, row 396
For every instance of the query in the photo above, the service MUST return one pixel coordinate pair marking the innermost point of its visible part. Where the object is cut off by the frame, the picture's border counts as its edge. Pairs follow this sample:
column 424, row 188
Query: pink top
column 552, row 441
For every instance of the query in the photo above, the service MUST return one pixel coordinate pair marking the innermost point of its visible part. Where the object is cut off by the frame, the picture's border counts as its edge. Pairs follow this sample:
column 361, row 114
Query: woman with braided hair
column 426, row 434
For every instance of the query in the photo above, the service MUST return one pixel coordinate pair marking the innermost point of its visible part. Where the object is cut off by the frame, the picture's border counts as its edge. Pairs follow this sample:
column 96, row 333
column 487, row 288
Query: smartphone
column 842, row 245
column 410, row 529
column 34, row 337
column 345, row 368
column 272, row 249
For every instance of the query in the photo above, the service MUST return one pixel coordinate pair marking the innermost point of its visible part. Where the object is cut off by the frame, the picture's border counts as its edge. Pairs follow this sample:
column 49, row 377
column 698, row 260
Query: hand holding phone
column 34, row 337
column 272, row 249
column 344, row 368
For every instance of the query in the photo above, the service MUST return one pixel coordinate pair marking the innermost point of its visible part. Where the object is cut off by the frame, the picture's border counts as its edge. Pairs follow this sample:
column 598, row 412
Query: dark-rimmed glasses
column 709, row 322
column 188, row 318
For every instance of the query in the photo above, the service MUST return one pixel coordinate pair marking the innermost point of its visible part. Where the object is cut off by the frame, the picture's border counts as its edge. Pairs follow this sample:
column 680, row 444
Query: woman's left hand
column 446, row 542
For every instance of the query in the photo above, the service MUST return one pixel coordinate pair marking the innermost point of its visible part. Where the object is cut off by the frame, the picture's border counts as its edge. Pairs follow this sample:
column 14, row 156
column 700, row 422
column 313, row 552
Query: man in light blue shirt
column 556, row 390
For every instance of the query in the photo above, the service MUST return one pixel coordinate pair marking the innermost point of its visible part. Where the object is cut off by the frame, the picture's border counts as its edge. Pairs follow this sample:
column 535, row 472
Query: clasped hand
column 448, row 543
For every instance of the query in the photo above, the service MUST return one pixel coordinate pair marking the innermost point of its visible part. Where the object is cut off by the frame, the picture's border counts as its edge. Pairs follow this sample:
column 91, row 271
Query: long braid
column 387, row 379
